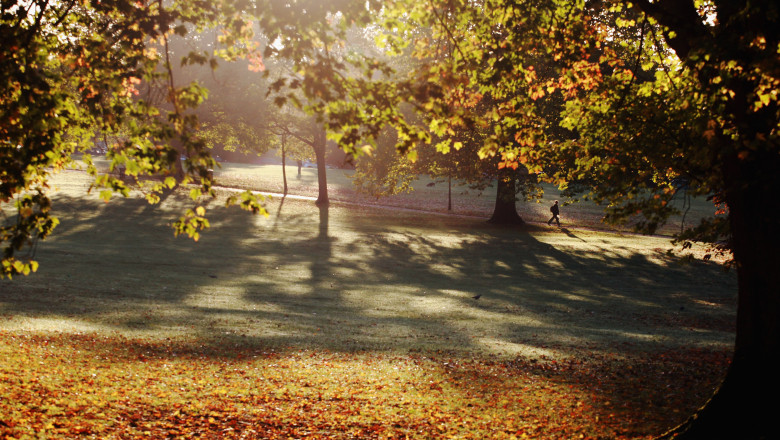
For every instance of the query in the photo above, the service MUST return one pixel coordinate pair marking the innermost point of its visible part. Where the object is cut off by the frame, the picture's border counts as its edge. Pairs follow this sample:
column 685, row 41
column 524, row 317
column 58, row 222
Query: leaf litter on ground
column 94, row 386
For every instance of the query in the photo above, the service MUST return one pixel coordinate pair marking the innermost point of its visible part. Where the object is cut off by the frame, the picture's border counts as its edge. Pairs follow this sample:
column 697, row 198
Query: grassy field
column 428, row 195
column 352, row 322
column 432, row 196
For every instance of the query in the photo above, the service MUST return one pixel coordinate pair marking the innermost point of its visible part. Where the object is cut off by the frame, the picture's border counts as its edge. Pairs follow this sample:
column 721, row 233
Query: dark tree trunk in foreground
column 745, row 406
column 505, row 211
column 320, row 142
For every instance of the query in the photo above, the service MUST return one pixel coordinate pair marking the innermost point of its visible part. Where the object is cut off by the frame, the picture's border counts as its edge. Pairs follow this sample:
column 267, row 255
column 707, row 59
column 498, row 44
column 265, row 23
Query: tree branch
column 660, row 56
column 636, row 64
column 38, row 19
column 285, row 130
column 682, row 20
column 447, row 30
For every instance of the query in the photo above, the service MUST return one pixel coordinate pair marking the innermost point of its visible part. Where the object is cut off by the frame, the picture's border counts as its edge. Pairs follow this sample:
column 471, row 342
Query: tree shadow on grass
column 361, row 279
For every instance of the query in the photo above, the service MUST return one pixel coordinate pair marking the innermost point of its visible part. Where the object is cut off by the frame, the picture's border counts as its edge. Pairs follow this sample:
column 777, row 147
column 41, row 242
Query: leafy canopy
column 76, row 71
column 602, row 98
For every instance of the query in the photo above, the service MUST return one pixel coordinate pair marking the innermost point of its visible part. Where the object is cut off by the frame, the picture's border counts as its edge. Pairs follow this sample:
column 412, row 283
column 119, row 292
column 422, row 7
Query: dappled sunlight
column 502, row 265
column 438, row 306
column 498, row 345
column 356, row 280
column 444, row 270
column 551, row 262
column 57, row 324
column 219, row 298
column 460, row 294
column 578, row 300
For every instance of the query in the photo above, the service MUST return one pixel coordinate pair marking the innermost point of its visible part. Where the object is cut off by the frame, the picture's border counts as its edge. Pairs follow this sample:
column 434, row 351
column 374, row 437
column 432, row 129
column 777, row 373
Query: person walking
column 555, row 212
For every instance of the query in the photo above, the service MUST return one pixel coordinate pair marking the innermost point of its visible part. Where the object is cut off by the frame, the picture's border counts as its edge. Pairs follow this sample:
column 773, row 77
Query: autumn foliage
column 90, row 386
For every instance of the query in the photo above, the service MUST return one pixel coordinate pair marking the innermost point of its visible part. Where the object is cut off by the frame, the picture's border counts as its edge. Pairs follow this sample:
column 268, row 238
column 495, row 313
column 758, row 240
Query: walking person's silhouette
column 555, row 212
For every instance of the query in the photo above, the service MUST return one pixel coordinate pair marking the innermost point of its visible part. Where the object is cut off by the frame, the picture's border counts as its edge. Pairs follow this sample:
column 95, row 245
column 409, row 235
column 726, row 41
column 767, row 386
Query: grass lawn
column 352, row 322
column 432, row 196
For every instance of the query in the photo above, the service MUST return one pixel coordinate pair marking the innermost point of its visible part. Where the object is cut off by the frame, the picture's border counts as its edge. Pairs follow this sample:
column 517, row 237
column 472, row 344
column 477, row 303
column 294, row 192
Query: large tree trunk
column 320, row 142
column 745, row 405
column 505, row 212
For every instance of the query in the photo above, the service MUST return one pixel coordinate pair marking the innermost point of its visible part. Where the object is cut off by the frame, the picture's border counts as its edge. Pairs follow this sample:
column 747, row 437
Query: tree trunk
column 449, row 193
column 178, row 168
column 745, row 405
column 284, row 163
column 320, row 142
column 505, row 212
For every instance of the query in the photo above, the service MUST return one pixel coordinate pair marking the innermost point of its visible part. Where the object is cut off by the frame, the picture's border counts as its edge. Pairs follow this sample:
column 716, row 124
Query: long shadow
column 279, row 211
column 379, row 283
column 571, row 294
column 571, row 234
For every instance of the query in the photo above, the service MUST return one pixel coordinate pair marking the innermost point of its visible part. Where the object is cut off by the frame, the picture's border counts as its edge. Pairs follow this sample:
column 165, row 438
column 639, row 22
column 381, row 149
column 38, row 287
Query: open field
column 466, row 201
column 352, row 322
column 431, row 196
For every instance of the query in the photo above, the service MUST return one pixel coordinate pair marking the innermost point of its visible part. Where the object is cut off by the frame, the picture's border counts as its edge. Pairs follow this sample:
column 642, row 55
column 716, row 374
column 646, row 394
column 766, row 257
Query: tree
column 708, row 115
column 282, row 126
column 458, row 157
column 436, row 80
column 74, row 68
column 309, row 133
column 643, row 95
column 236, row 117
column 317, row 82
column 384, row 172
column 730, row 57
column 68, row 69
